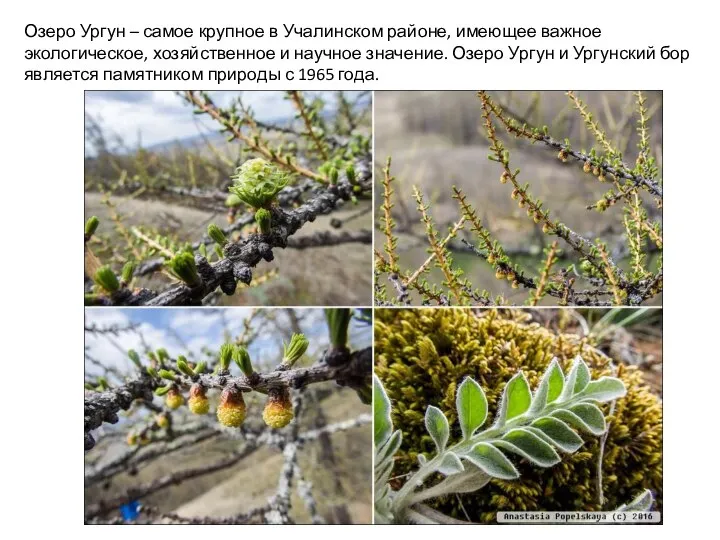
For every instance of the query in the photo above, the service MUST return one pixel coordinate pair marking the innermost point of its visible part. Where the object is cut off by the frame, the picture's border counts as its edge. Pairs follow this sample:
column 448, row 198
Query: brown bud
column 198, row 402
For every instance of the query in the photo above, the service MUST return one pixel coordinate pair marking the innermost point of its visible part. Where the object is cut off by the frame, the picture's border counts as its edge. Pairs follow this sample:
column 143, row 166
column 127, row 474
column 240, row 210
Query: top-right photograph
column 489, row 198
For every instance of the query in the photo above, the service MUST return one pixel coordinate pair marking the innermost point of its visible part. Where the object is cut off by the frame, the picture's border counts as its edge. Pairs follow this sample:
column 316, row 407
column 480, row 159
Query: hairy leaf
column 472, row 407
column 437, row 426
column 391, row 446
column 550, row 387
column 604, row 389
column 492, row 461
column 471, row 479
column 642, row 503
column 558, row 433
column 583, row 376
column 451, row 464
column 528, row 445
column 584, row 416
column 515, row 399
column 577, row 379
column 382, row 422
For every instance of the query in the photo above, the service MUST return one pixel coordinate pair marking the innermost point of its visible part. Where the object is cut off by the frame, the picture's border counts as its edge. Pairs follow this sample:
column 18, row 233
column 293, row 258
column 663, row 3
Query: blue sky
column 162, row 116
column 186, row 331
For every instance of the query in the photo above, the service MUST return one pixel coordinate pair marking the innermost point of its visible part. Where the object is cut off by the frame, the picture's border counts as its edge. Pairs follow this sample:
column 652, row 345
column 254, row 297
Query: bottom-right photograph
column 518, row 415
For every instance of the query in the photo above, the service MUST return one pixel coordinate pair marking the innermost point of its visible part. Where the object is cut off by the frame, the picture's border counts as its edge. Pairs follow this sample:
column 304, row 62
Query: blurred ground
column 336, row 275
column 435, row 142
column 342, row 482
column 631, row 336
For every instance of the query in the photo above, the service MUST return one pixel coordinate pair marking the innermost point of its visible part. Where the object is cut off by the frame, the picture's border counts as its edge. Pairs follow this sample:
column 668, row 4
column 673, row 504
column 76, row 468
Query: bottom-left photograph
column 228, row 416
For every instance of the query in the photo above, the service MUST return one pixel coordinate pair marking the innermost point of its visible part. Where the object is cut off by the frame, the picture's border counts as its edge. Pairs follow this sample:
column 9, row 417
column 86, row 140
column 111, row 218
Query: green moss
column 422, row 355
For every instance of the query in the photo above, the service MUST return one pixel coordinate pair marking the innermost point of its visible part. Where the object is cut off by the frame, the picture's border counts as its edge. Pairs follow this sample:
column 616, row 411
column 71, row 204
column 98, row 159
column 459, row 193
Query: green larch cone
column 257, row 182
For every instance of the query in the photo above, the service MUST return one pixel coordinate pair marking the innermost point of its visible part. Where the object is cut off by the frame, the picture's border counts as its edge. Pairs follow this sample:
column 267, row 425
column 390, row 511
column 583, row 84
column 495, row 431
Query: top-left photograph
column 228, row 198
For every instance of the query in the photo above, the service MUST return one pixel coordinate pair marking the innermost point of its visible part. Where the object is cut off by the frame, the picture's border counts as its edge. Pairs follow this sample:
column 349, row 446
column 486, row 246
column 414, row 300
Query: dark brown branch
column 357, row 365
column 350, row 370
column 242, row 256
column 103, row 406
column 624, row 172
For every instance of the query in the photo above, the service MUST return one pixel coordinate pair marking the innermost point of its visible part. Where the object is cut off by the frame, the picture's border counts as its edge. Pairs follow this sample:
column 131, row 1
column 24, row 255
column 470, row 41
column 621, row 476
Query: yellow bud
column 491, row 258
column 162, row 421
column 499, row 274
column 596, row 171
column 199, row 405
column 515, row 284
column 231, row 411
column 132, row 438
column 174, row 399
column 504, row 177
column 278, row 410
column 587, row 167
column 198, row 402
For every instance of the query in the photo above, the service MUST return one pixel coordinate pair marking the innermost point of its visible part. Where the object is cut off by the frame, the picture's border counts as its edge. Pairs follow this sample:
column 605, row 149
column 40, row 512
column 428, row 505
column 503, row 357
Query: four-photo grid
column 372, row 307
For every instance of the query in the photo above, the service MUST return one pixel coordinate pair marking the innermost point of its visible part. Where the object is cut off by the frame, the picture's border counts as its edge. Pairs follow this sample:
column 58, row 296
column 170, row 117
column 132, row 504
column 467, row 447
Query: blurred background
column 632, row 337
column 151, row 163
column 336, row 466
column 436, row 140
